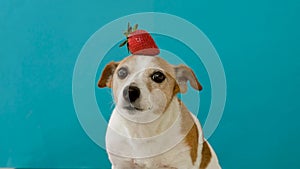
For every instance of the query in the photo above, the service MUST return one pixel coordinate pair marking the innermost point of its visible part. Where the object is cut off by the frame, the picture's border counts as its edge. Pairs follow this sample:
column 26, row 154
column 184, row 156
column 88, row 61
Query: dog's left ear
column 107, row 74
column 184, row 74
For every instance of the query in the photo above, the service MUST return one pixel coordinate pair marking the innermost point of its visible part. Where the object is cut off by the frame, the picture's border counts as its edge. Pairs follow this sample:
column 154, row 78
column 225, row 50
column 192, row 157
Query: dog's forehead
column 139, row 63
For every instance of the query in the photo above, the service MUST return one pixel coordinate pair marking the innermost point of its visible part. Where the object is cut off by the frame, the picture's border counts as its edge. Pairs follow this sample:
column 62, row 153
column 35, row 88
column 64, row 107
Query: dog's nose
column 131, row 93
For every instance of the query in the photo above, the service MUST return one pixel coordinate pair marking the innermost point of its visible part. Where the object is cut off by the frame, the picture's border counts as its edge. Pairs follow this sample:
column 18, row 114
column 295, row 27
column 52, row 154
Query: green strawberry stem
column 123, row 43
column 127, row 33
column 135, row 27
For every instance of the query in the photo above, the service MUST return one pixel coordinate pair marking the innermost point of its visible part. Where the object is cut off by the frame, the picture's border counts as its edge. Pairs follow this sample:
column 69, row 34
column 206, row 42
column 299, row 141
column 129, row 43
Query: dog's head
column 143, row 86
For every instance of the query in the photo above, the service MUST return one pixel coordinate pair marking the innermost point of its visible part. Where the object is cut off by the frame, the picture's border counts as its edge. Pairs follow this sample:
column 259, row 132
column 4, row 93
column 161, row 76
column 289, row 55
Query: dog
column 150, row 127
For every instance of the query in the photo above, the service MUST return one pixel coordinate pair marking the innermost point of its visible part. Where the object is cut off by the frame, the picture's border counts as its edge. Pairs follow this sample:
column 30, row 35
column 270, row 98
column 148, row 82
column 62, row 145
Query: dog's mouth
column 131, row 107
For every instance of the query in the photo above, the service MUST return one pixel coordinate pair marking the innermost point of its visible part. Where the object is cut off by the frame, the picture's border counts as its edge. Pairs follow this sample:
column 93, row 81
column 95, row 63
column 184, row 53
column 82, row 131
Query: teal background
column 257, row 41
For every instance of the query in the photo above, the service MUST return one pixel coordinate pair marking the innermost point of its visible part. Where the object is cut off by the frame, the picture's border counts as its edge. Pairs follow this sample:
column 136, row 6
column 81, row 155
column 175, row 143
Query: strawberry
column 139, row 42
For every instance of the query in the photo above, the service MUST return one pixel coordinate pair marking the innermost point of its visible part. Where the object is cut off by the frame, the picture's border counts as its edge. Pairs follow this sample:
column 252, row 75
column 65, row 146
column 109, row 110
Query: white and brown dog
column 150, row 128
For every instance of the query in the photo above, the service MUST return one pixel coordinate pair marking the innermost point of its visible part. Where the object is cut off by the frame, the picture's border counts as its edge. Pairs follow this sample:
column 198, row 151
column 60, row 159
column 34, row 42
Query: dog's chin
column 132, row 108
column 137, row 114
column 129, row 109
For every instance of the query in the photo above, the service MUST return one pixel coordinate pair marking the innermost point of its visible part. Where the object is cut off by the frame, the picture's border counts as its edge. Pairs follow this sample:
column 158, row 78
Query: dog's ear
column 184, row 74
column 107, row 74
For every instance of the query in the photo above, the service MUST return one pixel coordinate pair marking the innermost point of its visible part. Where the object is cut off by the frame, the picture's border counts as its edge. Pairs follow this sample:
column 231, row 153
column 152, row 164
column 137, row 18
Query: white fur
column 126, row 150
column 147, row 139
column 157, row 153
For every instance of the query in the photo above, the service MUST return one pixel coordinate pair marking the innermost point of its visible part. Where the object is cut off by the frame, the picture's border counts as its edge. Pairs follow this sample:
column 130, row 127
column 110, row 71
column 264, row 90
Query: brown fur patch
column 106, row 76
column 163, row 64
column 108, row 72
column 149, row 84
column 206, row 156
column 192, row 141
column 184, row 74
column 193, row 136
column 176, row 89
column 167, row 68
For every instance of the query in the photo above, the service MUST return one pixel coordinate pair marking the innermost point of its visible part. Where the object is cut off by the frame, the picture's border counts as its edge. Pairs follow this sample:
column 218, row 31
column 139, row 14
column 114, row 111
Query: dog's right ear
column 184, row 74
column 107, row 75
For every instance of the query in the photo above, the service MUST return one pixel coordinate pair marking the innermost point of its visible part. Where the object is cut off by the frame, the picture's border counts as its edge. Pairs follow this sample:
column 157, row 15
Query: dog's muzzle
column 131, row 93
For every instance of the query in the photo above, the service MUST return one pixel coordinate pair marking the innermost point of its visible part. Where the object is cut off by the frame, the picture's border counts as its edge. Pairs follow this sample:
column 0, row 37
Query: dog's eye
column 158, row 77
column 122, row 73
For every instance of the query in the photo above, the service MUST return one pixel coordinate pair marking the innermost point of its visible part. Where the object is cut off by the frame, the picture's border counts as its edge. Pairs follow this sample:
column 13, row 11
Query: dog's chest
column 169, row 160
column 166, row 150
column 176, row 158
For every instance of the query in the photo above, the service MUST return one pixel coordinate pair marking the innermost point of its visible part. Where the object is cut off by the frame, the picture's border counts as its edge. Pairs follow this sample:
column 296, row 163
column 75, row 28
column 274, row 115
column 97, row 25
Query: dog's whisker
column 112, row 102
